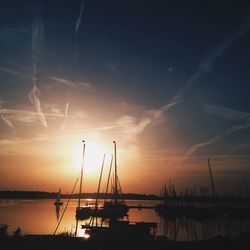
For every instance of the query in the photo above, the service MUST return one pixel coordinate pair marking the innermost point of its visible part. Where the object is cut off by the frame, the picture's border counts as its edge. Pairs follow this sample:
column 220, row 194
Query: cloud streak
column 207, row 62
column 226, row 113
column 65, row 116
column 13, row 72
column 35, row 100
column 7, row 121
column 79, row 19
column 21, row 116
column 78, row 23
column 26, row 116
column 69, row 83
column 37, row 42
column 129, row 128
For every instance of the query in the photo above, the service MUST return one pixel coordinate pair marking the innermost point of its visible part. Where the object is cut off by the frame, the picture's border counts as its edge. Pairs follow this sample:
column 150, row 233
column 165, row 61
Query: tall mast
column 107, row 187
column 116, row 190
column 80, row 191
column 211, row 177
column 98, row 191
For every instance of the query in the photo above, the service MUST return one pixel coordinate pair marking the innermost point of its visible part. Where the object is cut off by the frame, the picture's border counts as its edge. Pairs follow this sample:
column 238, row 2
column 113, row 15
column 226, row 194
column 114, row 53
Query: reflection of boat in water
column 58, row 201
column 57, row 211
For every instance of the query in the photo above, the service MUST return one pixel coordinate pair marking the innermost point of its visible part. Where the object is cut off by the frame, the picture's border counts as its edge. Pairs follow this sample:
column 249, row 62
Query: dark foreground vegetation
column 64, row 241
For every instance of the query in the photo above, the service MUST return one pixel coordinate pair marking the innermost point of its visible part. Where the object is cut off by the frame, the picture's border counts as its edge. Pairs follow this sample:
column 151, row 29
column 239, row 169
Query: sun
column 93, row 157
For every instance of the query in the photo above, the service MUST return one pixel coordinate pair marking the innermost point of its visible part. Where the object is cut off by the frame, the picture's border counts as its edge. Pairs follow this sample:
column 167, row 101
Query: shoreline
column 51, row 195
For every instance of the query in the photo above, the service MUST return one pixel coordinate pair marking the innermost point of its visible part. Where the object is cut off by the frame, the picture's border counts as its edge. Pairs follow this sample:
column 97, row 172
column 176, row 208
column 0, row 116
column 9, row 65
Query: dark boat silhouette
column 113, row 212
column 84, row 212
column 112, row 208
column 122, row 229
column 58, row 201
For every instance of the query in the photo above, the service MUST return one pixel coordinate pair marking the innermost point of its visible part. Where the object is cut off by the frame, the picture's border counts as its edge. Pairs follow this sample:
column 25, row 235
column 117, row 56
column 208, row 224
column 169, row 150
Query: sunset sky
column 167, row 80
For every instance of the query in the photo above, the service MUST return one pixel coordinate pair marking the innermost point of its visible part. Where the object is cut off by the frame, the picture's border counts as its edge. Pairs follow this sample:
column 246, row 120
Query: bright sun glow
column 94, row 153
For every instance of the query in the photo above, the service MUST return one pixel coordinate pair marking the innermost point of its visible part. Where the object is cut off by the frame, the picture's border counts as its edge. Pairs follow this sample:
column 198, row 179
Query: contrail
column 7, row 121
column 35, row 100
column 78, row 23
column 37, row 42
column 205, row 67
column 62, row 80
column 207, row 62
column 217, row 138
column 65, row 116
column 72, row 84
column 229, row 114
column 13, row 72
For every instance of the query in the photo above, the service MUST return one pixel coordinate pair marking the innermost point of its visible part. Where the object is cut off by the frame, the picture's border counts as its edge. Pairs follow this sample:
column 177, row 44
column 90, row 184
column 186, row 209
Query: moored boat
column 58, row 201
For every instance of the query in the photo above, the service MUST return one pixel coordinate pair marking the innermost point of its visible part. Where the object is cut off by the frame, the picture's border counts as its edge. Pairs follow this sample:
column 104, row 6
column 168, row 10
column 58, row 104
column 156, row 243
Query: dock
column 141, row 207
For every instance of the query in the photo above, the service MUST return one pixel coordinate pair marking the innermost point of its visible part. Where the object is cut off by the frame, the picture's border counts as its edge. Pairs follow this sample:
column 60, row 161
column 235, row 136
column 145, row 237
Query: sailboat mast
column 107, row 187
column 211, row 178
column 116, row 189
column 59, row 194
column 80, row 190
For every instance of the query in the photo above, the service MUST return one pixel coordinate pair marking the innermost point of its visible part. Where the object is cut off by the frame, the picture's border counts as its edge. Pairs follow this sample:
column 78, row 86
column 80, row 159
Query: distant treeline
column 47, row 195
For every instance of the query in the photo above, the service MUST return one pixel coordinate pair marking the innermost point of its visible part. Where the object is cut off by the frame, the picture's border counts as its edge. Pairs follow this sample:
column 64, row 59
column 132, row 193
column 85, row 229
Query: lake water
column 41, row 217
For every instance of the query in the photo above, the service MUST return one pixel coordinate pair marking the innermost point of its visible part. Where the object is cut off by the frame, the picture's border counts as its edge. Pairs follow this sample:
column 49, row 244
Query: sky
column 167, row 80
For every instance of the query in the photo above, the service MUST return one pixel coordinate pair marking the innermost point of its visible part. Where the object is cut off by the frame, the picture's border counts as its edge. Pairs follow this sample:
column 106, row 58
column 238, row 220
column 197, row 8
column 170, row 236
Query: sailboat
column 114, row 208
column 113, row 213
column 58, row 201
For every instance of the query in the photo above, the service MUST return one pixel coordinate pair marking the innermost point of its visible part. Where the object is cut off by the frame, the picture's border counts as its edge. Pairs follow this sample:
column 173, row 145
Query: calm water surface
column 41, row 217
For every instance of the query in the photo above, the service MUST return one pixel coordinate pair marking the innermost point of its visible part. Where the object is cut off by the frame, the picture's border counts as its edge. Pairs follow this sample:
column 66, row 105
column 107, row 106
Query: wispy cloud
column 7, row 121
column 1, row 102
column 226, row 113
column 54, row 108
column 35, row 100
column 18, row 141
column 8, row 34
column 129, row 128
column 23, row 116
column 79, row 19
column 65, row 116
column 37, row 43
column 13, row 72
column 3, row 117
column 25, row 112
column 26, row 116
column 72, row 84
column 78, row 23
column 158, row 115
column 204, row 67
column 208, row 61
column 242, row 146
